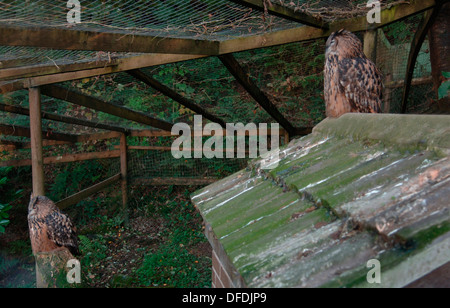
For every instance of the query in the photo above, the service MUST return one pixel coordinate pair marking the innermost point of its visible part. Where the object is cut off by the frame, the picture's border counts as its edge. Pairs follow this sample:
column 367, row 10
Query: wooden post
column 37, row 160
column 370, row 44
column 286, row 137
column 124, row 174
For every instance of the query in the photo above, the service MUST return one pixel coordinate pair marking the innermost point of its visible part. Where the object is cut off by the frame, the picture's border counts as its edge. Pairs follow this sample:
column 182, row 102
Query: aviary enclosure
column 87, row 107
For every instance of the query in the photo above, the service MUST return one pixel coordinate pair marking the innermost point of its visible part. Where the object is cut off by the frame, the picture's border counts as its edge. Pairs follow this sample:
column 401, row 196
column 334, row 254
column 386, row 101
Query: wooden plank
column 167, row 149
column 243, row 78
column 370, row 44
column 138, row 74
column 72, row 39
column 173, row 181
column 21, row 131
column 28, row 70
column 159, row 133
column 64, row 119
column 47, row 75
column 278, row 10
column 75, row 198
column 37, row 161
column 306, row 33
column 416, row 44
column 414, row 82
column 99, row 105
column 68, row 158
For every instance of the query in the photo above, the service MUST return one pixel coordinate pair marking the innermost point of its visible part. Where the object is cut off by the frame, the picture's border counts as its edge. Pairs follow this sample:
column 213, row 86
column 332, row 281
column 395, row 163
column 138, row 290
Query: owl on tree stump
column 50, row 229
column 352, row 82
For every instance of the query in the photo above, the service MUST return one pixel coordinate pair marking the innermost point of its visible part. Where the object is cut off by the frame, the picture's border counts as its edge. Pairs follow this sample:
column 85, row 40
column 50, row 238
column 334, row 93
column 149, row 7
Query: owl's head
column 344, row 44
column 40, row 206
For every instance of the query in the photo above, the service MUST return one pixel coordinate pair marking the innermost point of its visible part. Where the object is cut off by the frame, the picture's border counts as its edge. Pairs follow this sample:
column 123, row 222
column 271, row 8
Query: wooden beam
column 75, row 198
column 282, row 11
column 64, row 119
column 370, row 44
column 28, row 70
column 138, row 74
column 306, row 33
column 68, row 158
column 73, row 39
column 243, row 78
column 416, row 44
column 37, row 161
column 174, row 181
column 22, row 131
column 50, row 74
column 99, row 105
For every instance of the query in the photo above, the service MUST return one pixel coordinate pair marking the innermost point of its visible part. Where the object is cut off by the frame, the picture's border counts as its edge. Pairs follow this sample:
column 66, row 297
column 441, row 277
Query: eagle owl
column 352, row 81
column 49, row 228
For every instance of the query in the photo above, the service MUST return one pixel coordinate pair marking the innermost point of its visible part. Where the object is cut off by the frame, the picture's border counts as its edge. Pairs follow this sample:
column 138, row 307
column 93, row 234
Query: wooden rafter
column 99, row 105
column 138, row 74
column 64, row 119
column 278, row 10
column 22, row 131
column 416, row 44
column 75, row 198
column 33, row 76
column 243, row 78
column 72, row 39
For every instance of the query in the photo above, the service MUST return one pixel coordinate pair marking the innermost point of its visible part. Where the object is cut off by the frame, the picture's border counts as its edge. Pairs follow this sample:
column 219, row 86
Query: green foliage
column 7, row 196
column 173, row 266
column 444, row 88
column 74, row 177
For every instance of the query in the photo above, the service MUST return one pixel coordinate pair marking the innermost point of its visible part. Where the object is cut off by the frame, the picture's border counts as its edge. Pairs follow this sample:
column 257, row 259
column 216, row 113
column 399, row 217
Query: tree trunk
column 439, row 37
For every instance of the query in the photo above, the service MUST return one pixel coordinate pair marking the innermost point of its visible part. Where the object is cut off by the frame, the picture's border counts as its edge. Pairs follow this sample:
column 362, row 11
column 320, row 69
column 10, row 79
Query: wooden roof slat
column 243, row 78
column 284, row 12
column 99, row 105
column 138, row 74
column 70, row 39
column 22, row 131
column 64, row 119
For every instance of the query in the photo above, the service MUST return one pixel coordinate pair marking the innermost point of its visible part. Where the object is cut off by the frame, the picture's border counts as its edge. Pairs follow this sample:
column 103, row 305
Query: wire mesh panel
column 393, row 48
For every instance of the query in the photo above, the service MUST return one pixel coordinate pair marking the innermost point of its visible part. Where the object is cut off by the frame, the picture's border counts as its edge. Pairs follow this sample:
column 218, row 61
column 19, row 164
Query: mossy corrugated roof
column 360, row 187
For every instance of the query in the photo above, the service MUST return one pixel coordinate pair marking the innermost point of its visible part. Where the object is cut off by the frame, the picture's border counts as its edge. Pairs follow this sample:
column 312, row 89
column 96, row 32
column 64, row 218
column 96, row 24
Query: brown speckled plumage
column 352, row 81
column 49, row 228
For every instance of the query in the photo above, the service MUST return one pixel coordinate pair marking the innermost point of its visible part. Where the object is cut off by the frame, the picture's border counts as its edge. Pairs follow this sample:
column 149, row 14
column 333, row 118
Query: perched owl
column 352, row 81
column 49, row 228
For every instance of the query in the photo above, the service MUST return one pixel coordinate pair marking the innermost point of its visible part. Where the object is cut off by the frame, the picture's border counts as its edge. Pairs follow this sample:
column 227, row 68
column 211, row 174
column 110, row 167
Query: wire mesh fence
column 291, row 75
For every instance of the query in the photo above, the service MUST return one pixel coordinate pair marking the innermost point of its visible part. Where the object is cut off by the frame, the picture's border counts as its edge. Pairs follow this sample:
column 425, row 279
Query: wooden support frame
column 75, row 198
column 99, row 105
column 73, row 39
column 173, row 181
column 243, row 78
column 37, row 157
column 68, row 158
column 138, row 74
column 278, row 10
column 21, row 131
column 419, row 37
column 34, row 76
column 63, row 119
